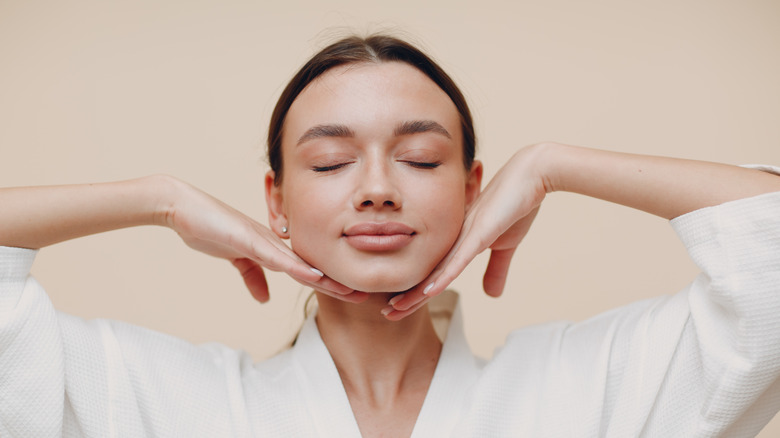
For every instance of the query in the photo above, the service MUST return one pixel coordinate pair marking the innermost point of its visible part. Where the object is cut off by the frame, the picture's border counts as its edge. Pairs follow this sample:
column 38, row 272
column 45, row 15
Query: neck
column 379, row 361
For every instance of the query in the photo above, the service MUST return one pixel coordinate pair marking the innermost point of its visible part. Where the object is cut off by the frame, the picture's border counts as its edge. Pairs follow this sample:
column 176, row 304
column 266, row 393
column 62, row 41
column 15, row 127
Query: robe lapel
column 455, row 376
column 325, row 396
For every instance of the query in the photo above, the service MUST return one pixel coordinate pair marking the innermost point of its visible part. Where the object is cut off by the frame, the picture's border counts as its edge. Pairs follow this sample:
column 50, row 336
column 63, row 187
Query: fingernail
column 386, row 311
column 393, row 301
column 317, row 271
column 428, row 289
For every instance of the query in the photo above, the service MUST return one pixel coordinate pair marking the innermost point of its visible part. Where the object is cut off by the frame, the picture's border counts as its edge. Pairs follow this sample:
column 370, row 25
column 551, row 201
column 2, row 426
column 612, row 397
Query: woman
column 374, row 182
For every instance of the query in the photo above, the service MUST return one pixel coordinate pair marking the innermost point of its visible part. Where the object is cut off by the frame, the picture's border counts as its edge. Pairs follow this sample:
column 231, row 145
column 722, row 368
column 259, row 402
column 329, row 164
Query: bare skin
column 35, row 217
column 504, row 211
column 386, row 367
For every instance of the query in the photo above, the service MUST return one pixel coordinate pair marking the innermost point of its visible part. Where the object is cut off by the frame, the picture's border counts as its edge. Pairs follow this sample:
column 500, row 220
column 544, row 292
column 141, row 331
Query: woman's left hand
column 501, row 216
column 498, row 219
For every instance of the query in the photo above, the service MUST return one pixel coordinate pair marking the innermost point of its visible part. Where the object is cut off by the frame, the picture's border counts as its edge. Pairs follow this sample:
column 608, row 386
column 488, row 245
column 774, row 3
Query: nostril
column 389, row 203
column 367, row 203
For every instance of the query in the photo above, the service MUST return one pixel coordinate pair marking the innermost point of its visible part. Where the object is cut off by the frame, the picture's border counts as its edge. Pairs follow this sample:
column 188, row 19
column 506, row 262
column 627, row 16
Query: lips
column 379, row 236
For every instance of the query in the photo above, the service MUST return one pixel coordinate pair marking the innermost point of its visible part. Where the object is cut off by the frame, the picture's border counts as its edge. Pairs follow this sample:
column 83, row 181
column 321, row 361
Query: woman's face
column 374, row 190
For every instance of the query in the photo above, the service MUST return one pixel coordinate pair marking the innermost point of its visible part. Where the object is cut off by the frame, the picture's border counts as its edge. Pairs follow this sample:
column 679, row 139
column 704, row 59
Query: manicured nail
column 428, row 289
column 317, row 271
column 386, row 311
column 393, row 301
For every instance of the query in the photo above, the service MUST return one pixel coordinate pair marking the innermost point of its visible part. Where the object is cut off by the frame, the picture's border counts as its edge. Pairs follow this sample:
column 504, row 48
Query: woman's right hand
column 214, row 228
column 34, row 217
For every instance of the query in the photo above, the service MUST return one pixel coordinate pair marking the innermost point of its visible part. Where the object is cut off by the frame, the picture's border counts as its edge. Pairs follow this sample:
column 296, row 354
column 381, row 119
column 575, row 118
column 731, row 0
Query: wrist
column 162, row 195
column 545, row 159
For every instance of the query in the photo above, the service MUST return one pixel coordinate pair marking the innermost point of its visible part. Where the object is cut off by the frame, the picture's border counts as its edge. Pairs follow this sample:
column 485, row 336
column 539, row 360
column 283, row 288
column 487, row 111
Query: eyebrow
column 326, row 131
column 420, row 126
column 405, row 128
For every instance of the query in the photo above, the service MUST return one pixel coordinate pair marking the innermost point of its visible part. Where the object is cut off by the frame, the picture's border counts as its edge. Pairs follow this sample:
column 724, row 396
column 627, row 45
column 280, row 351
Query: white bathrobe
column 703, row 362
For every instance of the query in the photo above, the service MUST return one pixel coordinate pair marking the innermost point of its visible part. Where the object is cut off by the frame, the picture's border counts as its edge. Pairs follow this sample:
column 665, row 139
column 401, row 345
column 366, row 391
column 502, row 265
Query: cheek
column 310, row 211
column 318, row 209
column 442, row 208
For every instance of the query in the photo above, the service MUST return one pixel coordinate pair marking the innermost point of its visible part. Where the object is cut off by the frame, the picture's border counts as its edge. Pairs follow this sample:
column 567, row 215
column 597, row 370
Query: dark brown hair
column 372, row 49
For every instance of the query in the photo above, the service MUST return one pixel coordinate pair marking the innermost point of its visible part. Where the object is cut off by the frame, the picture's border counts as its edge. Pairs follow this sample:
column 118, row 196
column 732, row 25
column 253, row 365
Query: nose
column 377, row 189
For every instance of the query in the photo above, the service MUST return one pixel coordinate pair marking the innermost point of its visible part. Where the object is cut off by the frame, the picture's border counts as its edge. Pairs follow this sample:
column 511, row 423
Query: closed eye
column 328, row 168
column 423, row 164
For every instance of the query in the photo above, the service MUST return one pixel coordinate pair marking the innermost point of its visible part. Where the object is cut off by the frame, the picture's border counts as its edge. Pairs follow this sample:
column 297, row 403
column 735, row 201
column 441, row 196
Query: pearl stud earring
column 284, row 230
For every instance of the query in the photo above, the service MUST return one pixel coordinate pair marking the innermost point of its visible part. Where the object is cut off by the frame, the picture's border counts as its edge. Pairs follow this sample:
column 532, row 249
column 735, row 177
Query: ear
column 473, row 183
column 273, row 199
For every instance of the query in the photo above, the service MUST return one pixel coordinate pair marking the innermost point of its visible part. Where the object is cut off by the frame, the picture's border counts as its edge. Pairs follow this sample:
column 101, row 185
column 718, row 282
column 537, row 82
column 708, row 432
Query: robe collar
column 455, row 375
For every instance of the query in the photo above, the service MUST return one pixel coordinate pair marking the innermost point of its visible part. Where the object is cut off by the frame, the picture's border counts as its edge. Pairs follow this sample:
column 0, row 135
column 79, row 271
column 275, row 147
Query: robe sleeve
column 706, row 361
column 31, row 376
column 735, row 312
column 64, row 376
column 703, row 362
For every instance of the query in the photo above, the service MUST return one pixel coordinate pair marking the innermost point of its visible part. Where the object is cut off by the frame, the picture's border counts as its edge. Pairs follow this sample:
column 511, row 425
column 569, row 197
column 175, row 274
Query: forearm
column 666, row 187
column 34, row 217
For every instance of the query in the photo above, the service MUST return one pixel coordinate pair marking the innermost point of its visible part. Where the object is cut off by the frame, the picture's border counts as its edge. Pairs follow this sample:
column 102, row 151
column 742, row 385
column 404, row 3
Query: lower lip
column 379, row 242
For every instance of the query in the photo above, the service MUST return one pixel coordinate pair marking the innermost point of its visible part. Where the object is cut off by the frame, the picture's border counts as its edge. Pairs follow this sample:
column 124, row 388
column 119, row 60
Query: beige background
column 104, row 91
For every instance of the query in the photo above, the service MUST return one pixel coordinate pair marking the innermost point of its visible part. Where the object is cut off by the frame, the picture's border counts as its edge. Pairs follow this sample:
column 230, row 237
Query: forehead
column 370, row 96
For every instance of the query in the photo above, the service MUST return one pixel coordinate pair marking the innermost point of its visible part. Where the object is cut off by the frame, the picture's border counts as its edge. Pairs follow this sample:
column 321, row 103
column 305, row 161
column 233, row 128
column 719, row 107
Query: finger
column 495, row 274
column 454, row 267
column 355, row 297
column 254, row 278
column 397, row 315
column 284, row 260
column 331, row 285
column 322, row 283
column 335, row 290
column 279, row 257
column 326, row 284
column 441, row 277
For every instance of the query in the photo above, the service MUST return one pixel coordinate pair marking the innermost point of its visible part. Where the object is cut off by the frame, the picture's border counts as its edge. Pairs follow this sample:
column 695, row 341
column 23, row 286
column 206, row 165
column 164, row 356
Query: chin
column 380, row 283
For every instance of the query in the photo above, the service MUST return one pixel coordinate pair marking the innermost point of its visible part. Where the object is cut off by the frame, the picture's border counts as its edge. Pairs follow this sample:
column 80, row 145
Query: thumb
column 254, row 278
column 495, row 274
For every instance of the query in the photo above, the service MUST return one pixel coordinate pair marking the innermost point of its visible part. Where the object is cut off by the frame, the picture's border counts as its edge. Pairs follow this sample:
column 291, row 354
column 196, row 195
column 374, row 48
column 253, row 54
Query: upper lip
column 378, row 229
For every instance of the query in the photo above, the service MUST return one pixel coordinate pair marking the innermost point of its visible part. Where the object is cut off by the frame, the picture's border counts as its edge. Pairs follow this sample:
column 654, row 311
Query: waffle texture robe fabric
column 700, row 363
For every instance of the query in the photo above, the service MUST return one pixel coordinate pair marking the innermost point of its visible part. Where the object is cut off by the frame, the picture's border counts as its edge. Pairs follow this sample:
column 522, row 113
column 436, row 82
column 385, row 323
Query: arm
column 666, row 187
column 504, row 211
column 34, row 217
column 109, row 378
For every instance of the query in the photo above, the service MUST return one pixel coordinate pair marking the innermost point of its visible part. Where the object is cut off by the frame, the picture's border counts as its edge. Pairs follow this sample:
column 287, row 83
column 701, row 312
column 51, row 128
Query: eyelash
column 328, row 168
column 416, row 164
column 423, row 164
